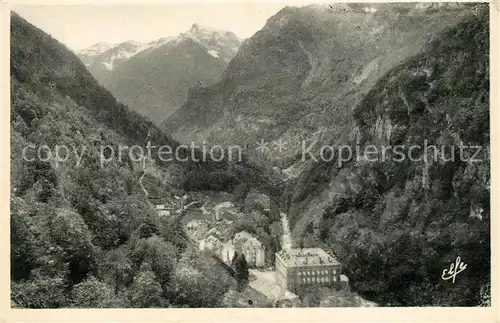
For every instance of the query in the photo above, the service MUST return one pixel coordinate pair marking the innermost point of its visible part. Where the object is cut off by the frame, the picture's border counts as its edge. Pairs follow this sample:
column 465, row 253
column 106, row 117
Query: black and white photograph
column 250, row 155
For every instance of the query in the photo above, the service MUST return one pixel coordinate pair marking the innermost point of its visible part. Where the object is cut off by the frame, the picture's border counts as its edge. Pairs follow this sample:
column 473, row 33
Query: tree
column 145, row 290
column 241, row 271
column 70, row 233
column 200, row 280
column 92, row 293
column 40, row 292
column 147, row 229
column 240, row 192
column 116, row 269
column 188, row 290
column 230, row 299
column 22, row 248
column 159, row 254
column 310, row 296
column 172, row 231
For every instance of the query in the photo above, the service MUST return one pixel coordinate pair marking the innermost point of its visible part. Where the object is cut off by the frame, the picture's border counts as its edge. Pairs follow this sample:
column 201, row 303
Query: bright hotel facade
column 306, row 266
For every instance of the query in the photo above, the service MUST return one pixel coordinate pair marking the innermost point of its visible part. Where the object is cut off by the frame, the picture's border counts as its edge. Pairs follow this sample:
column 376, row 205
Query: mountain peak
column 199, row 29
column 195, row 27
column 133, row 42
column 205, row 34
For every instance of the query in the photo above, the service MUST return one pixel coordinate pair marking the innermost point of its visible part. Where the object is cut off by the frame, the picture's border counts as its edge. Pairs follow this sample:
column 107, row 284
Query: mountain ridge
column 153, row 78
column 303, row 71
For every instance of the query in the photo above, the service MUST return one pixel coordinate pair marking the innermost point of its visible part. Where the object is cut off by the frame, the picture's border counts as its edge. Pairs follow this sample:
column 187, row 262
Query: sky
column 80, row 26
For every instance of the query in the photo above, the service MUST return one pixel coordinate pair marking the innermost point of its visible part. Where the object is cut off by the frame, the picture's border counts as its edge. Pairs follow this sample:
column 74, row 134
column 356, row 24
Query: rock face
column 301, row 75
column 435, row 204
column 153, row 78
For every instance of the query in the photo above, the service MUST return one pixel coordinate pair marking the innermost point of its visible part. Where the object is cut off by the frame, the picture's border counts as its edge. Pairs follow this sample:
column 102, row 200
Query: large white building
column 306, row 266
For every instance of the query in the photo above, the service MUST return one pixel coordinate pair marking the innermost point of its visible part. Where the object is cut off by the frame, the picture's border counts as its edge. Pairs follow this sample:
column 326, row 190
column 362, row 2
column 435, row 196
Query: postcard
column 249, row 161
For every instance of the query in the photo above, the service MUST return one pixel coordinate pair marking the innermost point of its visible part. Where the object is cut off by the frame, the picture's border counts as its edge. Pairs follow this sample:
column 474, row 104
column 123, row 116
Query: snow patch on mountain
column 128, row 50
column 366, row 71
column 108, row 65
column 214, row 53
column 219, row 44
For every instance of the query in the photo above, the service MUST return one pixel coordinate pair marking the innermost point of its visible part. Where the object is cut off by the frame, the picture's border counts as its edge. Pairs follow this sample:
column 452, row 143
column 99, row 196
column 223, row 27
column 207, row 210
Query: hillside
column 83, row 233
column 396, row 224
column 153, row 78
column 299, row 77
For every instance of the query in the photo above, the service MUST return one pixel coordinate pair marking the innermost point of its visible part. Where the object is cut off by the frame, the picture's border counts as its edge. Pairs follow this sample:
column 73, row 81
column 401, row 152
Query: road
column 286, row 239
column 265, row 282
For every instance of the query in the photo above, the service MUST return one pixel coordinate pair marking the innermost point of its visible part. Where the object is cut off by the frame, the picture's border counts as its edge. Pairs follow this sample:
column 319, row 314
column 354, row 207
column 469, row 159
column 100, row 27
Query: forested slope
column 83, row 232
column 397, row 223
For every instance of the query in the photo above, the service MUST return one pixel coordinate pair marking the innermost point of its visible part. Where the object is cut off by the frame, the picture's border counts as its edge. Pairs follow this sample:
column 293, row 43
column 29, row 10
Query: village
column 209, row 224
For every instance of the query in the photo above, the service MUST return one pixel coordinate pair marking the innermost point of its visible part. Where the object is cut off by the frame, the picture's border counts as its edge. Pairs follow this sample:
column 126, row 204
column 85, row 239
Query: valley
column 211, row 222
column 276, row 227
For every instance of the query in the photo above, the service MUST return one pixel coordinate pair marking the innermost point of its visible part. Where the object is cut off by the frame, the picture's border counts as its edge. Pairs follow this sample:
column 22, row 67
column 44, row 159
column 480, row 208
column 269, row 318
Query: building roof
column 214, row 241
column 196, row 223
column 252, row 242
column 224, row 205
column 243, row 239
column 164, row 212
column 306, row 256
column 222, row 229
column 242, row 235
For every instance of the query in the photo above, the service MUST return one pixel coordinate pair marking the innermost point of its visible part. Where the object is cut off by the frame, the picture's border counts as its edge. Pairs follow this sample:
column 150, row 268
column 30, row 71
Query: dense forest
column 396, row 224
column 83, row 233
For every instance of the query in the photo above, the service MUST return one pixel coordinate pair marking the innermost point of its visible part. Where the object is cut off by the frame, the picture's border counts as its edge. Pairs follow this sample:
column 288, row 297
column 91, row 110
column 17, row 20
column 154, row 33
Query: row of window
column 315, row 272
column 308, row 280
